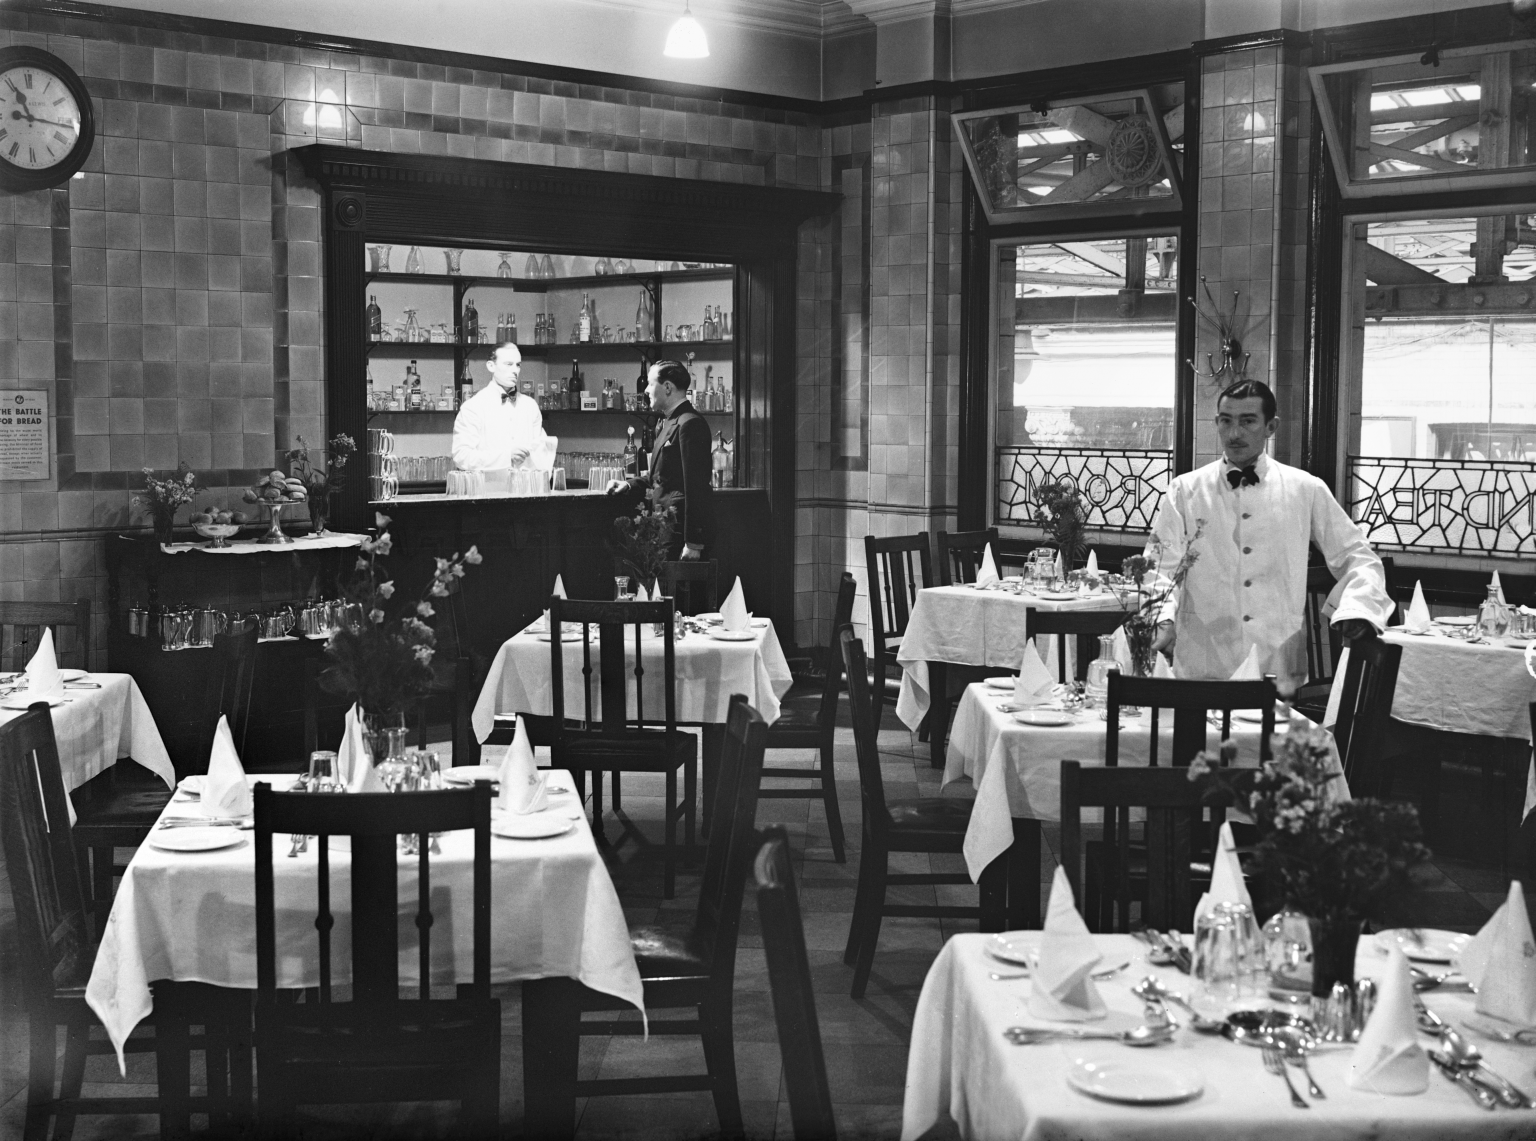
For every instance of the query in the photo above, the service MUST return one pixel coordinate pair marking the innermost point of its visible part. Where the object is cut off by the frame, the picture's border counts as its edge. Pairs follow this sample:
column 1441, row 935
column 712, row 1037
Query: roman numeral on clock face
column 26, row 77
column 60, row 136
column 14, row 148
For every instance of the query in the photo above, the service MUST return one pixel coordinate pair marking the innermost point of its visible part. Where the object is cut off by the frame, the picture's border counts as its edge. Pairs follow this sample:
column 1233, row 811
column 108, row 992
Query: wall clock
column 46, row 123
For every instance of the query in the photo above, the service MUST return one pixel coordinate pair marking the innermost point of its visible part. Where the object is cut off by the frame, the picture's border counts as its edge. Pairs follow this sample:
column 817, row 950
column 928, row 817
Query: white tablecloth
column 96, row 727
column 1016, row 769
column 251, row 546
column 709, row 671
column 969, row 627
column 190, row 917
column 961, row 1065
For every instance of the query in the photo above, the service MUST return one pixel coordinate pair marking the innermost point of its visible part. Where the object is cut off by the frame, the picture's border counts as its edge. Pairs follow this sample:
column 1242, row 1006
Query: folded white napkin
column 1160, row 666
column 1389, row 1058
column 1498, row 587
column 642, row 595
column 1249, row 670
column 1060, row 571
column 1093, row 561
column 1417, row 619
column 1227, row 884
column 987, row 574
column 1034, row 684
column 1062, row 989
column 559, row 588
column 1123, row 652
column 43, row 680
column 1501, row 962
column 522, row 785
column 734, row 610
column 225, row 791
column 354, row 761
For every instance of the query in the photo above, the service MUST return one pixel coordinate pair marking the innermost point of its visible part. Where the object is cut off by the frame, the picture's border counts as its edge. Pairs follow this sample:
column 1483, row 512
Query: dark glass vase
column 165, row 527
column 374, row 726
column 319, row 513
column 1334, row 941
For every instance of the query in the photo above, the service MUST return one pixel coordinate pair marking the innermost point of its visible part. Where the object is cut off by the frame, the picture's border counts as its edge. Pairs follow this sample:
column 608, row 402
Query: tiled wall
column 170, row 300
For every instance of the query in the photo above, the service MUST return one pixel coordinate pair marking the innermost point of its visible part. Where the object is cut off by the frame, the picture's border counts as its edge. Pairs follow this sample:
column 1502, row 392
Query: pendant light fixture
column 686, row 40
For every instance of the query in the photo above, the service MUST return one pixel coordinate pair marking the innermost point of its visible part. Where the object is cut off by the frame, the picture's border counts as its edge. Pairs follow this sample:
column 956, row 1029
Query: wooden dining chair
column 605, row 738
column 694, row 967
column 693, row 583
column 1191, row 702
column 898, row 568
column 121, row 810
column 925, row 824
column 1159, row 877
column 54, row 947
column 794, row 1001
column 959, row 554
column 1324, row 644
column 1365, row 712
column 808, row 720
column 1084, row 625
column 385, row 1043
column 22, row 625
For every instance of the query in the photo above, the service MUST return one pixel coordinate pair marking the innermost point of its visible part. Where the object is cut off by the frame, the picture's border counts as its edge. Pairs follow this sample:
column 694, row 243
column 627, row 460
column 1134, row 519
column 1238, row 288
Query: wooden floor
column 865, row 1041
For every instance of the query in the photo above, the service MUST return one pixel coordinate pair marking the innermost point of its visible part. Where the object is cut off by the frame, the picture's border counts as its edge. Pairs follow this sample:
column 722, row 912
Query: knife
column 1478, row 1092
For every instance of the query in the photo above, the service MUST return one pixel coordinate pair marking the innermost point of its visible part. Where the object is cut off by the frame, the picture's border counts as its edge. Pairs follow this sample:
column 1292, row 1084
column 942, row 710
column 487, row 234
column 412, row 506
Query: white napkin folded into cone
column 1034, row 685
column 1418, row 619
column 1123, row 652
column 1227, row 883
column 642, row 595
column 1059, row 573
column 44, row 682
column 737, row 618
column 1498, row 587
column 354, row 762
column 523, row 787
column 1249, row 670
column 1389, row 1058
column 987, row 575
column 1062, row 989
column 1093, row 561
column 558, row 590
column 225, row 790
column 1501, row 962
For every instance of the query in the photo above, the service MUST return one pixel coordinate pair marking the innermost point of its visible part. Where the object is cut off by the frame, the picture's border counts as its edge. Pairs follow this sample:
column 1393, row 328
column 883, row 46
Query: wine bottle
column 707, row 329
column 512, row 327
column 643, row 329
column 375, row 318
column 576, row 386
column 471, row 322
column 631, row 453
column 584, row 322
column 718, row 460
column 413, row 261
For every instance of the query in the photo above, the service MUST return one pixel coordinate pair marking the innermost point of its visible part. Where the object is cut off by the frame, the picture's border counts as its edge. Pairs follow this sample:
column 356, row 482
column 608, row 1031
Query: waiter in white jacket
column 498, row 427
column 1248, row 585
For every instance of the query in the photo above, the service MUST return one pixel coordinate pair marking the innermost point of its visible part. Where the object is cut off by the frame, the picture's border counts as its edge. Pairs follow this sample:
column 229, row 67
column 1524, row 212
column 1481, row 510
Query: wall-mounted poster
column 24, row 445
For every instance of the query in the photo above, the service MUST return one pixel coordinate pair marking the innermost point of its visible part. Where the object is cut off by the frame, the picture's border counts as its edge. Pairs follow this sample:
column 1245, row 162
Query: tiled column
column 1253, row 186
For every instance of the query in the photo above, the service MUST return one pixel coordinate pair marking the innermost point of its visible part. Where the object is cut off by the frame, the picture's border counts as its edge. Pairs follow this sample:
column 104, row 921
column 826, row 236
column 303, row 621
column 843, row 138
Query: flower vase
column 274, row 536
column 1334, row 941
column 319, row 512
column 384, row 732
column 165, row 527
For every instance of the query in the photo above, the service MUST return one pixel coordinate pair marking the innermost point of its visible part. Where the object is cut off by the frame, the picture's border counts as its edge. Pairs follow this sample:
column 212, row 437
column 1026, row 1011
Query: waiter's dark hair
column 674, row 372
column 1247, row 390
column 505, row 345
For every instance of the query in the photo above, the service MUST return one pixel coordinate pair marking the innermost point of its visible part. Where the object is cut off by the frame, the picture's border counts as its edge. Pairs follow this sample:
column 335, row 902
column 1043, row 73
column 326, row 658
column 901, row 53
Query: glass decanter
column 1097, row 691
column 1492, row 615
column 413, row 261
column 453, row 259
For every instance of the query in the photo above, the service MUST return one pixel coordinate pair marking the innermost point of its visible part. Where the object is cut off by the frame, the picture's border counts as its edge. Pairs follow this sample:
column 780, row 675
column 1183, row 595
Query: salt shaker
column 1337, row 1018
column 1365, row 1003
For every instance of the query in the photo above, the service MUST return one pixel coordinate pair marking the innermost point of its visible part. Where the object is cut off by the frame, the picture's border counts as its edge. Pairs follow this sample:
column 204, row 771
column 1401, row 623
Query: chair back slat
column 1365, row 708
column 898, row 568
column 1085, row 625
column 49, row 901
column 728, row 856
column 959, row 554
column 865, row 742
column 1191, row 701
column 701, row 580
column 25, row 622
column 842, row 615
column 233, row 681
column 424, row 913
column 615, row 622
column 794, row 1003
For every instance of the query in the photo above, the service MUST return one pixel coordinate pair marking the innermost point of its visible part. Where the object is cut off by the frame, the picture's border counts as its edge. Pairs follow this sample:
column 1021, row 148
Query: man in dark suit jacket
column 679, row 475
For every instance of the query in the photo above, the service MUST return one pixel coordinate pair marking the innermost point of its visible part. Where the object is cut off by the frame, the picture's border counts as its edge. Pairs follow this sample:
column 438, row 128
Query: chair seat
column 929, row 814
column 801, row 715
column 123, row 807
column 635, row 751
column 660, row 953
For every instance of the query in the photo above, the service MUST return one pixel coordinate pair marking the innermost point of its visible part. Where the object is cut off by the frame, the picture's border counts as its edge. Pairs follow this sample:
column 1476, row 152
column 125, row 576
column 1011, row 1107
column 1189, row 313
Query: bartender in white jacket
column 1248, row 585
column 498, row 427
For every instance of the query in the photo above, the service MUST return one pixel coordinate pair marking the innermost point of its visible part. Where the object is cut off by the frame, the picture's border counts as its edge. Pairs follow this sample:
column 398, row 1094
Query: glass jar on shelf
column 413, row 260
column 1493, row 615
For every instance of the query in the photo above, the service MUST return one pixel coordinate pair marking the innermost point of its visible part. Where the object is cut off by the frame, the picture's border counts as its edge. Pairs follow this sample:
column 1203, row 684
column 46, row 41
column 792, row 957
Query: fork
column 1274, row 1062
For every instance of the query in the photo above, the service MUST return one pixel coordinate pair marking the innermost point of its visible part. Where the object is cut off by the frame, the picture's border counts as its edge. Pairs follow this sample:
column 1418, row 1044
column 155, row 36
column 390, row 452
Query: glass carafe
column 1492, row 615
column 413, row 260
column 1099, row 669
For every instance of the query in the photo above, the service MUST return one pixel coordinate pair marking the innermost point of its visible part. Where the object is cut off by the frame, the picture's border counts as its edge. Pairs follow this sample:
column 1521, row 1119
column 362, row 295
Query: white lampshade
column 686, row 40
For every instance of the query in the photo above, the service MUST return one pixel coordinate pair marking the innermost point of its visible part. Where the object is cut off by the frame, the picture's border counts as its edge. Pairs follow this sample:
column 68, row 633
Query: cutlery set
column 1462, row 1062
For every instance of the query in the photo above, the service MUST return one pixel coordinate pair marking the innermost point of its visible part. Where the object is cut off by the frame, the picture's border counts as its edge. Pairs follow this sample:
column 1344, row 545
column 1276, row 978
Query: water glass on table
column 1228, row 953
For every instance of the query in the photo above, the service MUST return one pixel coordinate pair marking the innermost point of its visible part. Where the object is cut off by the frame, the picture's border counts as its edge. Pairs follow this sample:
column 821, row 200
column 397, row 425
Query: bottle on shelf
column 471, row 322
column 413, row 261
column 373, row 399
column 643, row 316
column 413, row 381
column 727, row 396
column 719, row 458
column 631, row 453
column 375, row 319
column 725, row 327
column 707, row 329
column 543, row 398
column 584, row 322
column 512, row 327
column 576, row 387
column 504, row 267
column 412, row 330
column 730, row 464
column 466, row 385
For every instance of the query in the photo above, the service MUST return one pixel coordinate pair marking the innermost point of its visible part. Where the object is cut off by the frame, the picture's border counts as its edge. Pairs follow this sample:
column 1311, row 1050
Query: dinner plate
column 1057, row 595
column 22, row 701
column 534, row 826
column 1424, row 945
column 71, row 675
column 469, row 774
column 1456, row 620
column 760, row 623
column 737, row 636
column 1135, row 1079
column 194, row 839
column 714, row 617
column 1010, row 949
column 192, row 784
column 1042, row 717
column 999, row 683
column 565, row 636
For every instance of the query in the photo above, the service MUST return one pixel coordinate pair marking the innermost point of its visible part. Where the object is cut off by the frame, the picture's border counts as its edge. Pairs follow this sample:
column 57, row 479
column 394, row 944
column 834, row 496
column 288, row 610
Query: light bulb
column 686, row 40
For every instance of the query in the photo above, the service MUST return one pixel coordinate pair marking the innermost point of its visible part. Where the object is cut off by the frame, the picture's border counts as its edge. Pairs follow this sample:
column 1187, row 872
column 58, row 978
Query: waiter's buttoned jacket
column 679, row 475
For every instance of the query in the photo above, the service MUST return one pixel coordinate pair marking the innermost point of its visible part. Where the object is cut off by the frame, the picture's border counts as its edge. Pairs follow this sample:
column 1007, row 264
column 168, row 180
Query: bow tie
column 509, row 396
column 1244, row 477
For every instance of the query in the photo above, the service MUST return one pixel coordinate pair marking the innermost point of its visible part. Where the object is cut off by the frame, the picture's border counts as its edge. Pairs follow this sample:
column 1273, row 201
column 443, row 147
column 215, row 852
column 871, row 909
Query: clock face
column 39, row 118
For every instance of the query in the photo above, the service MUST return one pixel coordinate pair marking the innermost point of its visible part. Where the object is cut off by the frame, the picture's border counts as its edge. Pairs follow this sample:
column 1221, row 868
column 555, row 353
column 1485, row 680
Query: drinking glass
column 1226, row 946
column 557, row 479
column 621, row 591
column 322, row 771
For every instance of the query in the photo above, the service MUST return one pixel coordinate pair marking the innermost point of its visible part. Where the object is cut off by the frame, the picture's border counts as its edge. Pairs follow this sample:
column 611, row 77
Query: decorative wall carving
column 1461, row 507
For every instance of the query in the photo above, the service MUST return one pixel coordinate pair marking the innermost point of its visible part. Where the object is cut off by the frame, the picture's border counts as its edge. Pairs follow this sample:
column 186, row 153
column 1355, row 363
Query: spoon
column 1296, row 1046
column 1149, row 987
column 1140, row 1036
column 1465, row 1056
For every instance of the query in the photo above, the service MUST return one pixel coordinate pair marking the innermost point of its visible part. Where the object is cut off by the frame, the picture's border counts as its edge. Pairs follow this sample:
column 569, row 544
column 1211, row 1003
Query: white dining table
column 961, row 1067
column 708, row 672
column 969, row 626
column 1016, row 768
column 95, row 728
column 190, row 916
